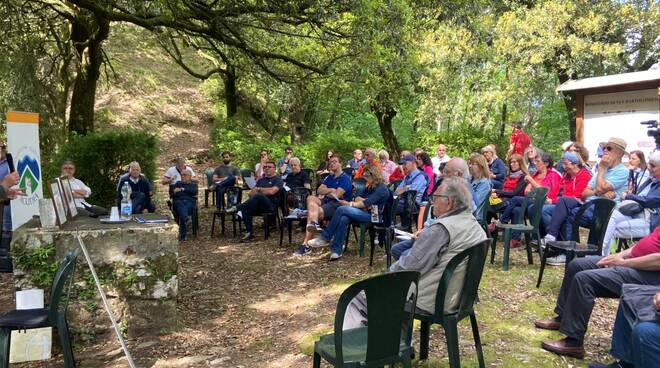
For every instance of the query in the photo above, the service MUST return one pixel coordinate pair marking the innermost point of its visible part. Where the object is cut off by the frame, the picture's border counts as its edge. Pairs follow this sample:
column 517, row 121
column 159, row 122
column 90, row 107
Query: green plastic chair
column 475, row 257
column 53, row 316
column 387, row 337
column 537, row 197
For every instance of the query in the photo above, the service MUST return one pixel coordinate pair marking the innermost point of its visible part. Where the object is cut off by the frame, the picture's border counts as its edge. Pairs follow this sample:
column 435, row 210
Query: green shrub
column 102, row 156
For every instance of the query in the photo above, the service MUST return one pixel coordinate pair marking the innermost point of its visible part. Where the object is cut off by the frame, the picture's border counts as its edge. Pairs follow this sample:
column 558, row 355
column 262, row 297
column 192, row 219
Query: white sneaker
column 334, row 256
column 549, row 238
column 318, row 243
column 559, row 260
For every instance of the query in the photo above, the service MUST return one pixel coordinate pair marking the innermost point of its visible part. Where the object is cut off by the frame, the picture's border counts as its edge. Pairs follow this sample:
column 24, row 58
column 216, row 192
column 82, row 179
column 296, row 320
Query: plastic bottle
column 126, row 204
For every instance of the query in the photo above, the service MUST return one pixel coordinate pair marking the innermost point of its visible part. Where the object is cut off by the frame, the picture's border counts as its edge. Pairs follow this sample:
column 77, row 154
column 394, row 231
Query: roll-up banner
column 23, row 144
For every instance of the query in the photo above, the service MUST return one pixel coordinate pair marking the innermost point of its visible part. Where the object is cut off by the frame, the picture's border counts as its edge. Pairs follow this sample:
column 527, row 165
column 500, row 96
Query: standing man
column 440, row 159
column 335, row 187
column 283, row 164
column 357, row 160
column 264, row 197
column 519, row 141
column 224, row 176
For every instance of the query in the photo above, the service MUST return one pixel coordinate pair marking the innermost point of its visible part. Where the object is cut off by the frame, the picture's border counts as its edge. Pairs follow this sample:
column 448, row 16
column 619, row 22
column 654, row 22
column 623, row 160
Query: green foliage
column 101, row 157
column 40, row 260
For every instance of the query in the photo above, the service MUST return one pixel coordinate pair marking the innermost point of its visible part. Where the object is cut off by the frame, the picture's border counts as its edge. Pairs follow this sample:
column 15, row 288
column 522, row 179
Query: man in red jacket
column 518, row 141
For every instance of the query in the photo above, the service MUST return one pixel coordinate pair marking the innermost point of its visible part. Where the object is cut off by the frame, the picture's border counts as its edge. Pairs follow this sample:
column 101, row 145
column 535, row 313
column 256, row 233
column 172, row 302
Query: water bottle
column 375, row 214
column 126, row 204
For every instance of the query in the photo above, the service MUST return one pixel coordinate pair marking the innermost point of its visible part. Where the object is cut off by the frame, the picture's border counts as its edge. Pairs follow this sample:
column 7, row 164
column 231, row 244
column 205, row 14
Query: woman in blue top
column 495, row 165
column 480, row 184
column 375, row 193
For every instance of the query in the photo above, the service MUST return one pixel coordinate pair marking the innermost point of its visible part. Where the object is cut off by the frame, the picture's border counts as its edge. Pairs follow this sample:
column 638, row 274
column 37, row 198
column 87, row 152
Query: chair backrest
column 537, row 197
column 349, row 171
column 386, row 297
column 310, row 174
column 358, row 186
column 408, row 197
column 63, row 279
column 602, row 211
column 299, row 198
column 387, row 218
column 476, row 258
column 231, row 197
column 209, row 177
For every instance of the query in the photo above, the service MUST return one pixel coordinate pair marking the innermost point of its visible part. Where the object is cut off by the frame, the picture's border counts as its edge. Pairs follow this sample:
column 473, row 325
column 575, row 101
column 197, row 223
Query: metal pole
column 105, row 301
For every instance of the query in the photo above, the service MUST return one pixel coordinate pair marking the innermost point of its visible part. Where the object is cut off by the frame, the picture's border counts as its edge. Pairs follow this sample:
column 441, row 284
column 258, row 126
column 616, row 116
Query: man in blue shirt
column 357, row 160
column 283, row 164
column 141, row 190
column 414, row 180
column 610, row 180
column 335, row 187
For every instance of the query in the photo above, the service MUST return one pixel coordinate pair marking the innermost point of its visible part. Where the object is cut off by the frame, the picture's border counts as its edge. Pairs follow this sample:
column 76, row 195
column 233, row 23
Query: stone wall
column 136, row 263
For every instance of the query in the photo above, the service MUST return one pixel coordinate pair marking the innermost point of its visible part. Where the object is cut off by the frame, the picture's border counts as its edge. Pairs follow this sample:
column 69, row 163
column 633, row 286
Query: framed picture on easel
column 58, row 201
column 67, row 191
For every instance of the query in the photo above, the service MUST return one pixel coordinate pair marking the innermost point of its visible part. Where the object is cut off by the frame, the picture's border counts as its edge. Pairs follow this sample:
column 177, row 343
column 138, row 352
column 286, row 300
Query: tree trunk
column 503, row 122
column 569, row 102
column 87, row 39
column 231, row 99
column 384, row 115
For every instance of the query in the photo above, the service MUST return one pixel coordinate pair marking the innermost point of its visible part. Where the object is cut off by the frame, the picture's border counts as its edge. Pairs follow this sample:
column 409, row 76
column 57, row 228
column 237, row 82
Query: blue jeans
column 639, row 345
column 141, row 202
column 400, row 248
column 183, row 208
column 546, row 218
column 585, row 221
column 230, row 181
column 561, row 224
column 336, row 229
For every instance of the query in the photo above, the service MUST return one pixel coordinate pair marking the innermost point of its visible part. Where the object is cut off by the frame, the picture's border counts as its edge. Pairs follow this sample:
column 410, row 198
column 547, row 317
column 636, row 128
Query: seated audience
column 335, row 187
column 264, row 197
column 636, row 333
column 258, row 168
column 184, row 200
column 440, row 159
column 495, row 165
column 546, row 177
column 375, row 194
column 588, row 278
column 80, row 190
column 530, row 154
column 609, row 182
column 414, row 180
column 645, row 217
column 480, row 184
column 638, row 172
column 173, row 174
column 514, row 184
column 399, row 172
column 141, row 191
column 224, row 176
column 386, row 165
column 454, row 231
column 283, row 164
column 424, row 164
column 296, row 177
column 370, row 158
column 455, row 167
column 357, row 160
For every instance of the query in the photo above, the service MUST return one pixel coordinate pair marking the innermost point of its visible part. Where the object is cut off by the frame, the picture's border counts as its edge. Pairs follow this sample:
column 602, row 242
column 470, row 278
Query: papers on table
column 402, row 235
column 250, row 181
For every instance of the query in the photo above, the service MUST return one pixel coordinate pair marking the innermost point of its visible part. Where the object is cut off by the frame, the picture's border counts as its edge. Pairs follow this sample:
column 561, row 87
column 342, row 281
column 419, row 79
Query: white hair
column 384, row 153
column 294, row 160
column 457, row 190
column 134, row 164
column 655, row 157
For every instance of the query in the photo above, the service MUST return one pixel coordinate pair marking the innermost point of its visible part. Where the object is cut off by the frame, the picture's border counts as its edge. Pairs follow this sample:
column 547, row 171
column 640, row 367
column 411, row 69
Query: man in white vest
column 454, row 231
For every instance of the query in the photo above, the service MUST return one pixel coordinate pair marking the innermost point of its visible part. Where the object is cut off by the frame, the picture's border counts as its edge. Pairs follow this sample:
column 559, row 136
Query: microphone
column 10, row 162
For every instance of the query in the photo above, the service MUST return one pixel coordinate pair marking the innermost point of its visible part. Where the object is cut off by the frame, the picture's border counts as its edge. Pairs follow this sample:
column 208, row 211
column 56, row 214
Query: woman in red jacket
column 514, row 185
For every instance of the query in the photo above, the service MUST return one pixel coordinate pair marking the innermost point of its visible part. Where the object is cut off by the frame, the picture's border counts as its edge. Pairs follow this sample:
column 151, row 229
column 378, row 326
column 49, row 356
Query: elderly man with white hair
column 638, row 215
column 454, row 231
column 141, row 190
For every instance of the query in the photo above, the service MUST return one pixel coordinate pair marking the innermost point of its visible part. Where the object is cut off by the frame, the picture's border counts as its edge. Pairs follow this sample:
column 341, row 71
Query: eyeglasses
column 269, row 167
column 608, row 148
column 438, row 196
column 67, row 168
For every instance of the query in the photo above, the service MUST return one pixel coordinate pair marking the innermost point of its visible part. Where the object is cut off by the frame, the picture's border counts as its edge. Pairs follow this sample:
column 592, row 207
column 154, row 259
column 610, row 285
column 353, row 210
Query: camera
column 653, row 131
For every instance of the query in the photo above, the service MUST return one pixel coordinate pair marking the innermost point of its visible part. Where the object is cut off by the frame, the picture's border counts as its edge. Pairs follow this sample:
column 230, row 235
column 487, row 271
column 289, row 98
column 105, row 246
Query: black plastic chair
column 387, row 337
column 53, row 316
column 409, row 211
column 529, row 224
column 310, row 175
column 230, row 197
column 622, row 243
column 210, row 188
column 574, row 248
column 349, row 171
column 299, row 200
column 475, row 257
column 275, row 213
column 246, row 173
column 384, row 230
